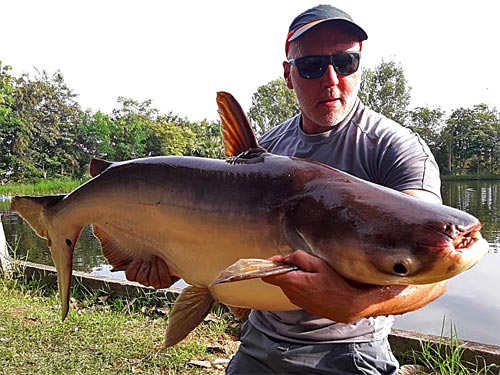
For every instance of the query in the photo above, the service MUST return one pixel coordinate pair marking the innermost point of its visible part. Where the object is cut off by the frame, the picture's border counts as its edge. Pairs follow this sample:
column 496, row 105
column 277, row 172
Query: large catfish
column 163, row 218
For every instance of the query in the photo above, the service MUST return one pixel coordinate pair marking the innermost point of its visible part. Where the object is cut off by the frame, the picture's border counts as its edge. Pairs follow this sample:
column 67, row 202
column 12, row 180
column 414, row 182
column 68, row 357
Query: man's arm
column 423, row 194
column 322, row 291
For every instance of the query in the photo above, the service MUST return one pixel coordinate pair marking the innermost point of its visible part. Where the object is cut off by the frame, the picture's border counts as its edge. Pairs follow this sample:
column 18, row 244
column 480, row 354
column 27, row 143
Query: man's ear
column 286, row 74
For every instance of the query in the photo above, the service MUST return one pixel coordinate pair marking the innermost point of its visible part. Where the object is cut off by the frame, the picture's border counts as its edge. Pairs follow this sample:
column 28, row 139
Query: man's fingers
column 277, row 259
column 284, row 279
column 307, row 262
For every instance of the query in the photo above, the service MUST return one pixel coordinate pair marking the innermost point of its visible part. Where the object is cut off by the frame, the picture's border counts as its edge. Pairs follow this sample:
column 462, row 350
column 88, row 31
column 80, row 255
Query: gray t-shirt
column 369, row 146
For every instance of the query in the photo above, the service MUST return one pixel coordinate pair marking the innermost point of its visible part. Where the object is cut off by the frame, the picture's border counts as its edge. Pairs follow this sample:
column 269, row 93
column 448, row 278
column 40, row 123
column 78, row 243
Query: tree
column 472, row 136
column 131, row 128
column 9, row 124
column 271, row 105
column 429, row 123
column 93, row 138
column 171, row 135
column 385, row 90
column 48, row 115
column 208, row 140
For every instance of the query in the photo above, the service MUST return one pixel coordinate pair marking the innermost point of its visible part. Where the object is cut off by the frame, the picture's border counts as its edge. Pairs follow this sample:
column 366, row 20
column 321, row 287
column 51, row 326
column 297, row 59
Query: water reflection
column 25, row 244
column 472, row 302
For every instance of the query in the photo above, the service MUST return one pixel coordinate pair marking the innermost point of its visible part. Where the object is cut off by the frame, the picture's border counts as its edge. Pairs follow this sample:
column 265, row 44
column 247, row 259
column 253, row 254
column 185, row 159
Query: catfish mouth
column 449, row 236
column 462, row 248
column 466, row 239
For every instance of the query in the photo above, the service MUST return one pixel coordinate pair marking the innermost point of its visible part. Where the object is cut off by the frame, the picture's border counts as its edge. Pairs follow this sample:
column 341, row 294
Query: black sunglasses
column 312, row 67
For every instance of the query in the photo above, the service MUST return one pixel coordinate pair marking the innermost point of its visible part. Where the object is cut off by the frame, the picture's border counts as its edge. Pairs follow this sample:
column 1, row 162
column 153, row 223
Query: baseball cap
column 319, row 14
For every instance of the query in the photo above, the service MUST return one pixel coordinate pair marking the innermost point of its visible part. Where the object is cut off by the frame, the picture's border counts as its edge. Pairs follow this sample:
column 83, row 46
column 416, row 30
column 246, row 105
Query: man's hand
column 320, row 290
column 151, row 271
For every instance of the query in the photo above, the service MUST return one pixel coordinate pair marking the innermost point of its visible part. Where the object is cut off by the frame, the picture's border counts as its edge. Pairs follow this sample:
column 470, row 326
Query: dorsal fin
column 97, row 166
column 237, row 132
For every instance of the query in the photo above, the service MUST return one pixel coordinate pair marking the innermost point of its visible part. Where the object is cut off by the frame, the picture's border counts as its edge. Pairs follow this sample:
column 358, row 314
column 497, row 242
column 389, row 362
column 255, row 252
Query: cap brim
column 358, row 30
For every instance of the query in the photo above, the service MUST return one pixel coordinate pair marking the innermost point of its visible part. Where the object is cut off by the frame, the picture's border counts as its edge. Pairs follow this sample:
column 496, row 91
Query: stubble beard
column 335, row 116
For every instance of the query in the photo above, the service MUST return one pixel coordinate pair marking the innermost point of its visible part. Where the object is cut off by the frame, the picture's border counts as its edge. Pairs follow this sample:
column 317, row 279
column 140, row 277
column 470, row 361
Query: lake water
column 471, row 305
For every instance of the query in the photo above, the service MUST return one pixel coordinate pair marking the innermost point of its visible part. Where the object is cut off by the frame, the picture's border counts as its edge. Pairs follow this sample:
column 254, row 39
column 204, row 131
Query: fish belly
column 253, row 293
column 196, row 246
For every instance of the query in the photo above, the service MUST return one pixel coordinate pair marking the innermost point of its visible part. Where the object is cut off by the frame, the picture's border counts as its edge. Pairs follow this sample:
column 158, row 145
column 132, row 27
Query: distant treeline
column 45, row 133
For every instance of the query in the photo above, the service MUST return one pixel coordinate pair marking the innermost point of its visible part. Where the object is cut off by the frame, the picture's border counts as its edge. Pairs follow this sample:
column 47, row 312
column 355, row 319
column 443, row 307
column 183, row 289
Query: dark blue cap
column 319, row 14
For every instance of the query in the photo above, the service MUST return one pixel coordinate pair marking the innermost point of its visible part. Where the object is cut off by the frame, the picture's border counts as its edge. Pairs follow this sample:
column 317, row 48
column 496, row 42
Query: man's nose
column 330, row 77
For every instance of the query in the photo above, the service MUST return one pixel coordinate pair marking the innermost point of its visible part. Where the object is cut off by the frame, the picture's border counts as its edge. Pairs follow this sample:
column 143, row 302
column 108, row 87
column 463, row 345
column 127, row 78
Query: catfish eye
column 400, row 269
column 398, row 266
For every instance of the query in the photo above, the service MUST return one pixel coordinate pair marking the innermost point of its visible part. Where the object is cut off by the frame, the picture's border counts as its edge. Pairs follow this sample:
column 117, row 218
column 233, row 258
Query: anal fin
column 189, row 310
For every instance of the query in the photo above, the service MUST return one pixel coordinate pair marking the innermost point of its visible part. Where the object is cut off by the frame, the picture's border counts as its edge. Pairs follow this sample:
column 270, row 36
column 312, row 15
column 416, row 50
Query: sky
column 180, row 53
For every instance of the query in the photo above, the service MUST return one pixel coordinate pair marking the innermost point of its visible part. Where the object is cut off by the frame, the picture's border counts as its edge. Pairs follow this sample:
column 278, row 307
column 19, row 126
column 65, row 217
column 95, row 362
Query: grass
column 119, row 336
column 445, row 357
column 101, row 336
column 40, row 187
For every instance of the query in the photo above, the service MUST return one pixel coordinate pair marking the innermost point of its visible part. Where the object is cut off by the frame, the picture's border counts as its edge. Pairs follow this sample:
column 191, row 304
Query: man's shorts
column 261, row 354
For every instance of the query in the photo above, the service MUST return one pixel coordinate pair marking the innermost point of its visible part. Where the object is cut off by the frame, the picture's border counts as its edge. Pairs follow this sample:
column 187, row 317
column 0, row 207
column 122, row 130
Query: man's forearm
column 392, row 299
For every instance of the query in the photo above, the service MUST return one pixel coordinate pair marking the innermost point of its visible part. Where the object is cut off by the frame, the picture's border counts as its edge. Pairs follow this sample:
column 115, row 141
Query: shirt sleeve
column 408, row 163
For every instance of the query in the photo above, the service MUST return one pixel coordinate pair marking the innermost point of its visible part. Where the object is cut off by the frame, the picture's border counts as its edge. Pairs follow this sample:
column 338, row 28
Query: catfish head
column 376, row 235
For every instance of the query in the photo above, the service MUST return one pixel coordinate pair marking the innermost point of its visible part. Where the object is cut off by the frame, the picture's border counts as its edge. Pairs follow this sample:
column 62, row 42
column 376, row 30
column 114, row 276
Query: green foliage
column 429, row 123
column 40, row 127
column 209, row 140
column 49, row 113
column 45, row 134
column 94, row 137
column 172, row 136
column 130, row 128
column 472, row 136
column 466, row 142
column 446, row 357
column 271, row 105
column 10, row 124
column 385, row 90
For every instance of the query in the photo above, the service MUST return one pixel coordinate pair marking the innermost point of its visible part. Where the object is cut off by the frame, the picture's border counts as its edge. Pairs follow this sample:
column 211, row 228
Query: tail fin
column 36, row 211
column 32, row 210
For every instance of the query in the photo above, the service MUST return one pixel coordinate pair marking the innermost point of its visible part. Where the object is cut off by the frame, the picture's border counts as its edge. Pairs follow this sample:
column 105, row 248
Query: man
column 344, row 328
